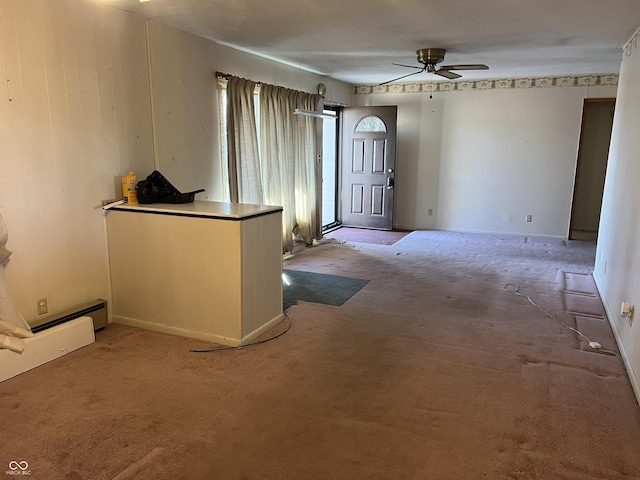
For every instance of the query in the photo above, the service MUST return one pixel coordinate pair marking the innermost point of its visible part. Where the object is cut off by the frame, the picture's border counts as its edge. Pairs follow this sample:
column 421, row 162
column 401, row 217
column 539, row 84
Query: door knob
column 390, row 183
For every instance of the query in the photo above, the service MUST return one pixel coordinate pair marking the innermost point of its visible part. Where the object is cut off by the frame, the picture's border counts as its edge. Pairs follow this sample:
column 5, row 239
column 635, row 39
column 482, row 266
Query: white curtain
column 245, row 185
column 288, row 159
column 13, row 327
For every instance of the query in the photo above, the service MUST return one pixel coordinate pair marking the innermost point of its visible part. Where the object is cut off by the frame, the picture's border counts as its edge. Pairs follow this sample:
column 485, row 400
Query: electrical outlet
column 42, row 306
column 529, row 218
column 430, row 212
column 626, row 311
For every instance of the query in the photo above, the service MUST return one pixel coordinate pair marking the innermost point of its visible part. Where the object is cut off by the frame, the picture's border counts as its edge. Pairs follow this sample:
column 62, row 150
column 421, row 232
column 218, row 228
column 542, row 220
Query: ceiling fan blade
column 404, row 76
column 447, row 74
column 408, row 66
column 475, row 66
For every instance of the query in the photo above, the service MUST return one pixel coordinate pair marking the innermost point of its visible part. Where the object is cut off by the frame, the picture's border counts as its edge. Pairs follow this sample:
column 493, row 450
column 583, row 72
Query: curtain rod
column 226, row 76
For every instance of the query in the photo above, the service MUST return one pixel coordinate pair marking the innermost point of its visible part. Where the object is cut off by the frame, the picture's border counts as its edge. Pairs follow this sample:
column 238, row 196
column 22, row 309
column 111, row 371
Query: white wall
column 186, row 101
column 75, row 115
column 617, row 270
column 484, row 159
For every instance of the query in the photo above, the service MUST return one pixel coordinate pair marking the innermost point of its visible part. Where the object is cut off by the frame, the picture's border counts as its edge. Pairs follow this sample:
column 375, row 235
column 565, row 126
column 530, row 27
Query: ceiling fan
column 430, row 58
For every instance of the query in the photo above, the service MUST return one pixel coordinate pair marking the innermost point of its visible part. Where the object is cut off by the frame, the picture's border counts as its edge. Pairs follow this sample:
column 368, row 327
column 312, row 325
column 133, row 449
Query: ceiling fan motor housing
column 431, row 56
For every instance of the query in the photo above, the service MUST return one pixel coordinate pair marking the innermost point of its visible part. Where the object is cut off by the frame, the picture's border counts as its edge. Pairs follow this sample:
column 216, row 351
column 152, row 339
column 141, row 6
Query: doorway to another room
column 593, row 152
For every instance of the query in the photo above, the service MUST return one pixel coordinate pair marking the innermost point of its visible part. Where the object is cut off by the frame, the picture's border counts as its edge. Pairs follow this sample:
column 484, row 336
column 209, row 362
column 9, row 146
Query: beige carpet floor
column 436, row 369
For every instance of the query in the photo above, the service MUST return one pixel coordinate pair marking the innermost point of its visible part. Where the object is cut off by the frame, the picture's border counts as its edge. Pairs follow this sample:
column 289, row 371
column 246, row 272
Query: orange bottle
column 129, row 189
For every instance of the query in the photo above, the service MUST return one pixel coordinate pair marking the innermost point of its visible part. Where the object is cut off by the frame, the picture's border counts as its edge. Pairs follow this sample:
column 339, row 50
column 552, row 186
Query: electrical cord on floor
column 253, row 344
column 594, row 345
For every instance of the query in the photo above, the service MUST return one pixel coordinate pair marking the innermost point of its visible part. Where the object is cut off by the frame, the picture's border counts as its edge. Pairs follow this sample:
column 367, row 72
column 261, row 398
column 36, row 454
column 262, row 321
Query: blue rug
column 318, row 288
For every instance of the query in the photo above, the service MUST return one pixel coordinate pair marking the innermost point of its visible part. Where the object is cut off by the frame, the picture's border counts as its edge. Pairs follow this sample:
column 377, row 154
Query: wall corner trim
column 632, row 44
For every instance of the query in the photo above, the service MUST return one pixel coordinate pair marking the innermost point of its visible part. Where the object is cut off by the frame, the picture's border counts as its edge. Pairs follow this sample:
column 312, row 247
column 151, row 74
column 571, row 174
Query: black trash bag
column 157, row 189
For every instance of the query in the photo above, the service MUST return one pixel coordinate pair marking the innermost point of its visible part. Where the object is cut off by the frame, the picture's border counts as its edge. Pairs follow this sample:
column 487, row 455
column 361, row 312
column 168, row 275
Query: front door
column 368, row 166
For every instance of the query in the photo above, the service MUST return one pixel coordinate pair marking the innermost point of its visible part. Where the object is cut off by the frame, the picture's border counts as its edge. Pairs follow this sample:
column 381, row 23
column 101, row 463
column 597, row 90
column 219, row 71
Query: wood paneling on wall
column 74, row 114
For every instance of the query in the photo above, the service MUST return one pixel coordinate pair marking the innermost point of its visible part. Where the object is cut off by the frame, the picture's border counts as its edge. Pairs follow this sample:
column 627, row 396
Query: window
column 330, row 129
column 371, row 124
column 269, row 154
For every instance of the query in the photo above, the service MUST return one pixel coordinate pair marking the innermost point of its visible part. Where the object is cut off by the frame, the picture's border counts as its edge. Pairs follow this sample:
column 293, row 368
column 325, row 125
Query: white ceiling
column 357, row 41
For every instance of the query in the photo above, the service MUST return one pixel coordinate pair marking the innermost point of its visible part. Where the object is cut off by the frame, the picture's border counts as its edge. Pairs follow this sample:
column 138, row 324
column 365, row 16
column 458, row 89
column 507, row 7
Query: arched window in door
column 371, row 124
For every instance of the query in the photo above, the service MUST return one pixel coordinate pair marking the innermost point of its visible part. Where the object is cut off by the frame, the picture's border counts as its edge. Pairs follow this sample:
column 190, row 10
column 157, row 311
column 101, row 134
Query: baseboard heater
column 46, row 346
column 97, row 310
column 55, row 336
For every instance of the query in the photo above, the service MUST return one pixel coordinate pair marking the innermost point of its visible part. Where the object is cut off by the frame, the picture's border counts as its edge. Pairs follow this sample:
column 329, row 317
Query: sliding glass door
column 330, row 187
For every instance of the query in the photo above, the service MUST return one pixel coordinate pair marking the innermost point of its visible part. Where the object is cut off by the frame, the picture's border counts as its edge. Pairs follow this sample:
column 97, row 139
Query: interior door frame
column 579, row 162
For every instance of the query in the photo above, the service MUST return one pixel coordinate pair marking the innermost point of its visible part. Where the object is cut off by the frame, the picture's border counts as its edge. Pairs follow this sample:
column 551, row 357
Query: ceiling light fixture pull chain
column 431, row 87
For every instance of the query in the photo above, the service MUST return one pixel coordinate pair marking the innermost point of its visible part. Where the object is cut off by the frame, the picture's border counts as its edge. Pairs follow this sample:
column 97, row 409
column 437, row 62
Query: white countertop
column 200, row 208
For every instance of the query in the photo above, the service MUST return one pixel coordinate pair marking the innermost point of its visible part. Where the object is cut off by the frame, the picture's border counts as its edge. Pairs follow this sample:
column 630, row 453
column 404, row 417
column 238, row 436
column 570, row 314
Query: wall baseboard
column 633, row 378
column 209, row 337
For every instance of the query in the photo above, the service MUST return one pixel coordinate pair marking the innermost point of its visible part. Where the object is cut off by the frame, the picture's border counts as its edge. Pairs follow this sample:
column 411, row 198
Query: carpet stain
column 583, row 305
column 579, row 283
